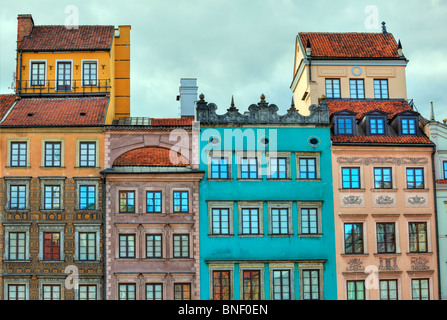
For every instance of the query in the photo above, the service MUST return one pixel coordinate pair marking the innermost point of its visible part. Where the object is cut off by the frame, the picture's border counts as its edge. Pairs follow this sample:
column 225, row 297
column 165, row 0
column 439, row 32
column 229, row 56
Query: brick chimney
column 24, row 27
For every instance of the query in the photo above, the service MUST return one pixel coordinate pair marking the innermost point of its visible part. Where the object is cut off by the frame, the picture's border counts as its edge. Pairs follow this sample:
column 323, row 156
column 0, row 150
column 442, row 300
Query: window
column 350, row 178
column 37, row 74
column 87, row 246
column 17, row 246
column 87, row 154
column 18, row 154
column 388, row 290
column 17, row 198
column 345, row 125
column 220, row 220
column 308, row 168
column 357, row 88
column 311, row 284
column 356, row 290
column 221, row 285
column 219, row 168
column 251, row 284
column 382, row 178
column 444, row 163
column 63, row 82
column 408, row 126
column 250, row 221
column 87, row 292
column 418, row 237
column 181, row 202
column 249, row 168
column 153, row 202
column 182, row 291
column 420, row 289
column 51, row 246
column 87, row 197
column 386, row 237
column 376, row 126
column 16, row 292
column 181, row 246
column 333, row 88
column 353, row 238
column 309, row 220
column 154, row 291
column 52, row 154
column 281, row 285
column 127, row 291
column 280, row 221
column 89, row 73
column 51, row 292
column 127, row 201
column 127, row 246
column 278, row 168
column 153, row 246
column 52, row 198
column 381, row 89
column 415, row 178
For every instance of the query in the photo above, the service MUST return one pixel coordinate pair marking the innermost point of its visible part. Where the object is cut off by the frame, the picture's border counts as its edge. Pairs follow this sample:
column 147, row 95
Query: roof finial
column 432, row 112
column 232, row 107
column 384, row 27
column 292, row 106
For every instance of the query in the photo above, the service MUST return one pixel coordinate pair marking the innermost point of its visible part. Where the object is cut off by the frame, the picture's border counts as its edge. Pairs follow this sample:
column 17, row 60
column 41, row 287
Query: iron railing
column 63, row 87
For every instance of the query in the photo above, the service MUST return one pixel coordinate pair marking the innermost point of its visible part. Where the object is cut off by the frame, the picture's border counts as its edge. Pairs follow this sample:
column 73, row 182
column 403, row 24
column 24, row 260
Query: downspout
column 436, row 220
column 20, row 76
column 104, row 255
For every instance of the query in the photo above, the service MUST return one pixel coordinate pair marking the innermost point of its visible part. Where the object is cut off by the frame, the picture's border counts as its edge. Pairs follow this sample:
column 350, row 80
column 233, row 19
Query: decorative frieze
column 419, row 264
column 352, row 200
column 416, row 200
column 367, row 161
column 384, row 200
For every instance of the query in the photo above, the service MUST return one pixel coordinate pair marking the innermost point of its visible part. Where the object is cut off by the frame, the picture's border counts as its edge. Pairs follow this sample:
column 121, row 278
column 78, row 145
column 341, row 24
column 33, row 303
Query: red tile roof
column 6, row 101
column 361, row 107
column 392, row 107
column 350, row 45
column 57, row 112
column 52, row 38
column 150, row 157
column 183, row 121
column 443, row 181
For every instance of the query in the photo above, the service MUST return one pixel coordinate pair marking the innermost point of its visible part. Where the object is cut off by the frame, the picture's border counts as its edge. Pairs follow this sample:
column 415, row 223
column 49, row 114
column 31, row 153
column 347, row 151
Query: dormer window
column 377, row 125
column 408, row 126
column 345, row 123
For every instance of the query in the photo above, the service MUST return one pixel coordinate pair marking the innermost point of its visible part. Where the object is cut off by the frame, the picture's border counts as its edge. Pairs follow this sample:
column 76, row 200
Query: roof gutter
column 436, row 220
column 383, row 144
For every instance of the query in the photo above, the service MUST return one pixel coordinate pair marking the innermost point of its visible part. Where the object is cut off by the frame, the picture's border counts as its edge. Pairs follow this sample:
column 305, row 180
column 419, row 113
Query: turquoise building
column 266, row 204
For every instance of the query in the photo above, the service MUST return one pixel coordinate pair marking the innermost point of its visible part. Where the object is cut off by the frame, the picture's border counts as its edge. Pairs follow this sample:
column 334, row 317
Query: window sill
column 308, row 180
column 51, row 210
column 251, row 235
column 97, row 168
column 418, row 253
column 249, row 180
column 354, row 254
column 310, row 235
column 87, row 210
column 220, row 179
column 279, row 235
column 383, row 190
column 352, row 190
column 55, row 167
column 279, row 179
column 17, row 210
column 416, row 190
column 221, row 235
column 18, row 167
column 51, row 261
column 87, row 261
column 380, row 254
column 15, row 261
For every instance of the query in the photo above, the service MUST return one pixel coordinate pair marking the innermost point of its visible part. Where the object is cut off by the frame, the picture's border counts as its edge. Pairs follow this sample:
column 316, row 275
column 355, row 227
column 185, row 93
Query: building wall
column 34, row 271
column 369, row 206
column 266, row 252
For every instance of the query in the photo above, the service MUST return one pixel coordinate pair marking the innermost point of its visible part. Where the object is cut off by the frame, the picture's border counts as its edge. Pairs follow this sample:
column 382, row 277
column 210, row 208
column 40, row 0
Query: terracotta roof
column 361, row 107
column 57, row 112
column 392, row 107
column 443, row 181
column 151, row 157
column 350, row 45
column 6, row 101
column 52, row 38
column 183, row 121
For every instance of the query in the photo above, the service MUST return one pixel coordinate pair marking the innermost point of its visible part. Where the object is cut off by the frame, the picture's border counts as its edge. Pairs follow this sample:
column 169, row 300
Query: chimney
column 308, row 49
column 188, row 96
column 399, row 49
column 24, row 27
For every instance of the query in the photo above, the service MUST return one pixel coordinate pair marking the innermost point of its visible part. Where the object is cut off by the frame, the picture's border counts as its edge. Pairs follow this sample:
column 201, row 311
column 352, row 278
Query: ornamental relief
column 419, row 264
column 351, row 200
column 384, row 200
column 416, row 200
column 388, row 264
column 355, row 264
column 382, row 161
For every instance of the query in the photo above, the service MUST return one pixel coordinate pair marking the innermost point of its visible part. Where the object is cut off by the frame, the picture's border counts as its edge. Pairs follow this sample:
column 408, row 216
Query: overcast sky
column 241, row 47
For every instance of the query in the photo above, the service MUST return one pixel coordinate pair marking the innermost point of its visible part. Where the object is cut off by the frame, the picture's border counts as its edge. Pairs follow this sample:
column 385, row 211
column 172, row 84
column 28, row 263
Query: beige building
column 384, row 205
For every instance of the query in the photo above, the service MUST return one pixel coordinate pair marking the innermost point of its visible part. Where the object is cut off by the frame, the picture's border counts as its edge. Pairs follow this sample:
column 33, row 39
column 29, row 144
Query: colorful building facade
column 266, row 206
column 384, row 205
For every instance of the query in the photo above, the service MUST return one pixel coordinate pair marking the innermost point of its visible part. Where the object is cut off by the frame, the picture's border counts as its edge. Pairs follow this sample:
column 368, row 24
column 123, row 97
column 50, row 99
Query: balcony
column 41, row 88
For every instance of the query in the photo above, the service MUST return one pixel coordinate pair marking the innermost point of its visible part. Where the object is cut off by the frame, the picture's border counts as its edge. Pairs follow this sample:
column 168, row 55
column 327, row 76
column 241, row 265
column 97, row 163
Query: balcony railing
column 63, row 87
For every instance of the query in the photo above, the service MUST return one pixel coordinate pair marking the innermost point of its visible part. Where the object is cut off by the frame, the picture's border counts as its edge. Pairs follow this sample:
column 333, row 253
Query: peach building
column 384, row 205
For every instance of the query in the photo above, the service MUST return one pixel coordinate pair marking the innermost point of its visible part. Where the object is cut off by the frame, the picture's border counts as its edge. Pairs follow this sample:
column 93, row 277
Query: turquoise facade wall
column 269, row 253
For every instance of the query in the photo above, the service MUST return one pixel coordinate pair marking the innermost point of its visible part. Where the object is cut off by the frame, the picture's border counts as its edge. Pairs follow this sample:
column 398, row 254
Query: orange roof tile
column 443, row 181
column 350, row 45
column 52, row 38
column 183, row 121
column 6, row 101
column 151, row 157
column 392, row 107
column 57, row 112
column 381, row 139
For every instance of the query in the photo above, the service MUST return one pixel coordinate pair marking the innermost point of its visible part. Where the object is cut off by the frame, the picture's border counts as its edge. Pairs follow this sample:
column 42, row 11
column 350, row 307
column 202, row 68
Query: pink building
column 152, row 238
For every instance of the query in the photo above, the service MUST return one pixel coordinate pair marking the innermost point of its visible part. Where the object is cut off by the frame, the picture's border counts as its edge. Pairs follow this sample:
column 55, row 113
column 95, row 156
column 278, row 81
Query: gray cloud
column 240, row 48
